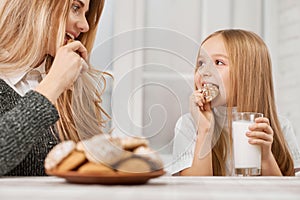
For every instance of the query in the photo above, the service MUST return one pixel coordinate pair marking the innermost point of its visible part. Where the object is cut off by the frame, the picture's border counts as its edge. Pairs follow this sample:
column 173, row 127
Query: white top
column 25, row 81
column 185, row 141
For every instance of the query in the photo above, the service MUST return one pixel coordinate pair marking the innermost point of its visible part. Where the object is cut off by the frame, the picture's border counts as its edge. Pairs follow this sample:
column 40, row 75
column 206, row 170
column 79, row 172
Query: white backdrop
column 150, row 47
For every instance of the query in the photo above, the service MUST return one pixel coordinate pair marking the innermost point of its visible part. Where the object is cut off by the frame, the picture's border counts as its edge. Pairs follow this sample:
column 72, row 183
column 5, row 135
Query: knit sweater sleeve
column 21, row 126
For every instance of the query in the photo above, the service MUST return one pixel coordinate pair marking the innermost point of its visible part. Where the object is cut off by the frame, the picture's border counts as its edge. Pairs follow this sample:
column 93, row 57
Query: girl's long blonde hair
column 28, row 30
column 251, row 90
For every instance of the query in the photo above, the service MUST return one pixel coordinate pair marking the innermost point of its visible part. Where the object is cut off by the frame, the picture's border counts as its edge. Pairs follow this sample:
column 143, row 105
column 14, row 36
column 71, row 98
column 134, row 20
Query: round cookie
column 72, row 161
column 58, row 153
column 131, row 143
column 95, row 168
column 79, row 146
column 133, row 165
column 151, row 156
column 104, row 149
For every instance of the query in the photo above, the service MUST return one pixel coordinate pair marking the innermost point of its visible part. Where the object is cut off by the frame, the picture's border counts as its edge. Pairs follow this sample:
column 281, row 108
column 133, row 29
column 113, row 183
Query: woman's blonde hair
column 251, row 90
column 28, row 30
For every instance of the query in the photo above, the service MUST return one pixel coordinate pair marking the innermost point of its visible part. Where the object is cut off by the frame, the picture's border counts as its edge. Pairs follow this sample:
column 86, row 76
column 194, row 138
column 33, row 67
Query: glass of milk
column 247, row 157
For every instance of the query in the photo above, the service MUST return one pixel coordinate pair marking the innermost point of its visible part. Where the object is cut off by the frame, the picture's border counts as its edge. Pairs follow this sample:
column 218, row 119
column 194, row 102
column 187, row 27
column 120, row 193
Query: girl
column 202, row 145
column 38, row 67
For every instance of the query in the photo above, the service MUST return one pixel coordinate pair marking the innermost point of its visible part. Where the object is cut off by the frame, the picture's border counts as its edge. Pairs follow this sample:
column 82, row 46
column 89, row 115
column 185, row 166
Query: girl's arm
column 202, row 161
column 269, row 166
column 203, row 118
column 261, row 133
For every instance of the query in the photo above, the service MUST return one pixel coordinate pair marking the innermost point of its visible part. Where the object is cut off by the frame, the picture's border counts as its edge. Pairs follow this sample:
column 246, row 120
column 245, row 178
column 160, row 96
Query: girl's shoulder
column 185, row 126
column 286, row 125
column 291, row 139
column 185, row 120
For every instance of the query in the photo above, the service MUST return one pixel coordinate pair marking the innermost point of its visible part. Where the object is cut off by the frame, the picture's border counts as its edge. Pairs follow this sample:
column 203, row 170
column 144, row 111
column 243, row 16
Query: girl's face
column 216, row 70
column 77, row 22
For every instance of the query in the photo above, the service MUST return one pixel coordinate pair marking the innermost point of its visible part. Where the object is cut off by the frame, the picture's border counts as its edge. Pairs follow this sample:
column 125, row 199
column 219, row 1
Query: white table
column 160, row 188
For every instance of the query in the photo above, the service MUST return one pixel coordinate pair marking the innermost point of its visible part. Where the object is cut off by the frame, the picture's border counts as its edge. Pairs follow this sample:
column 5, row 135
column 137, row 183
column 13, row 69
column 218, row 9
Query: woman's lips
column 68, row 37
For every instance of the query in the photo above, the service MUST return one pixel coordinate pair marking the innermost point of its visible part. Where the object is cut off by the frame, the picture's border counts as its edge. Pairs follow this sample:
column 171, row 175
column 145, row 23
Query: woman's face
column 77, row 22
column 213, row 65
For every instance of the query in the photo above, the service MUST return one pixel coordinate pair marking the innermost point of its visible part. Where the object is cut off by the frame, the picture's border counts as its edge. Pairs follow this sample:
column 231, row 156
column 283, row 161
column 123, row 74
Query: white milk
column 245, row 155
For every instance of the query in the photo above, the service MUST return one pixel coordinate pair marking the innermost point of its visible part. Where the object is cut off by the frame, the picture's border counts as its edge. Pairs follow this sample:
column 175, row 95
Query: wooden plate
column 107, row 179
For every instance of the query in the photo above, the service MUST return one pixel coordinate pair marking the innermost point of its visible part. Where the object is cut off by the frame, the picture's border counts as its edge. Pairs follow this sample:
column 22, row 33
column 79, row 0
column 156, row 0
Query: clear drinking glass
column 247, row 157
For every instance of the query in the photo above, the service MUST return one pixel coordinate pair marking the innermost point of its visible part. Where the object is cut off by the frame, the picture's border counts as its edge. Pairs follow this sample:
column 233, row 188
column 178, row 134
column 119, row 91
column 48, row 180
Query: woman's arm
column 20, row 126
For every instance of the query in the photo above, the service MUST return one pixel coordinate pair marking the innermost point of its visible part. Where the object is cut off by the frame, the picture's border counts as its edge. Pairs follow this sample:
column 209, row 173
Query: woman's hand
column 201, row 111
column 64, row 71
column 67, row 63
column 261, row 133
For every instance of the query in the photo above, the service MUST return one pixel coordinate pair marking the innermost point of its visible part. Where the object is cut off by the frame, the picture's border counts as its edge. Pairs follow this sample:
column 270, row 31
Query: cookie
column 133, row 165
column 79, row 146
column 104, row 149
column 95, row 168
column 58, row 153
column 151, row 156
column 131, row 143
column 74, row 160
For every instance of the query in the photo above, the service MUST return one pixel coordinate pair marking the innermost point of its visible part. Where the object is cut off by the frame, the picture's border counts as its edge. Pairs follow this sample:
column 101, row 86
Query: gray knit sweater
column 25, row 135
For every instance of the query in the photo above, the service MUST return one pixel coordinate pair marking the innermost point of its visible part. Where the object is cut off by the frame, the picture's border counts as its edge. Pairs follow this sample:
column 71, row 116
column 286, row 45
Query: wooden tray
column 107, row 179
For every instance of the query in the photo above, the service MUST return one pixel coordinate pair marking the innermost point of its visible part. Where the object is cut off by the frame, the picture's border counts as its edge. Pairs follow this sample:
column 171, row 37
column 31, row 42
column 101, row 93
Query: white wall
column 101, row 55
column 288, row 69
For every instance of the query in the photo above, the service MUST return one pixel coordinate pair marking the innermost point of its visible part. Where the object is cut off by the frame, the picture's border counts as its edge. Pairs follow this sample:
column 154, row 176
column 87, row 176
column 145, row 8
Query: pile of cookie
column 103, row 154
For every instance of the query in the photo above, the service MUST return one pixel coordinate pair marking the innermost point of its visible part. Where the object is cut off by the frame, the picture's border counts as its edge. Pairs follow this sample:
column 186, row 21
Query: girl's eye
column 200, row 66
column 201, row 63
column 218, row 63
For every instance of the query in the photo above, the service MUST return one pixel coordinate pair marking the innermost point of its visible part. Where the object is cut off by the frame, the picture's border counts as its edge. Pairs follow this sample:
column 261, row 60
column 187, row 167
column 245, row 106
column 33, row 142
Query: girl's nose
column 206, row 74
column 204, row 71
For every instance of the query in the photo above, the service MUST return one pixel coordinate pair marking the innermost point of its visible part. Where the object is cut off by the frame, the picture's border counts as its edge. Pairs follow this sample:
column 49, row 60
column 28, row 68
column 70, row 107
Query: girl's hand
column 64, row 71
column 204, row 121
column 201, row 111
column 261, row 133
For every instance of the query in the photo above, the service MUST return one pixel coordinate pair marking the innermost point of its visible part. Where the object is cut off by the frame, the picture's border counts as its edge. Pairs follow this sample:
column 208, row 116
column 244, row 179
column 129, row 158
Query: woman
column 38, row 67
column 203, row 145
